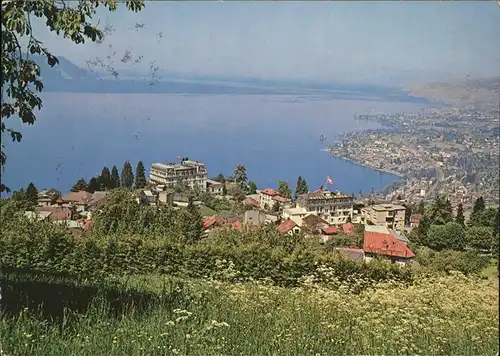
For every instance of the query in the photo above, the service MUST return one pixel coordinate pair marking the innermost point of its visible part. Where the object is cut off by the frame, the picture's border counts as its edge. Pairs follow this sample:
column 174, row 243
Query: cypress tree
column 94, row 185
column 115, row 178
column 32, row 194
column 477, row 211
column 460, row 218
column 127, row 177
column 105, row 179
column 140, row 176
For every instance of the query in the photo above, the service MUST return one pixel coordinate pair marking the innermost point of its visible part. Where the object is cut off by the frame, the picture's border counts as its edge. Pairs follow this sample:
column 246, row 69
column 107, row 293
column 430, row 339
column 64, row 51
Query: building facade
column 192, row 174
column 333, row 207
column 391, row 216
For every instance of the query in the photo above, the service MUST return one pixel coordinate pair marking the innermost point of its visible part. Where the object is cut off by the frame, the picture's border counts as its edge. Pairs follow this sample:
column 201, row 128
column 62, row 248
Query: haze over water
column 275, row 137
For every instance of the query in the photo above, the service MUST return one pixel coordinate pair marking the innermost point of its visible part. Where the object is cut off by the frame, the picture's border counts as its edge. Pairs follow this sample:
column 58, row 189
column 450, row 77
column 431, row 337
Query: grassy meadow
column 157, row 315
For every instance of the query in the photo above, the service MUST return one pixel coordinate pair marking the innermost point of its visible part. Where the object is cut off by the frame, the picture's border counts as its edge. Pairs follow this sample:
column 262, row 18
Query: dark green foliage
column 220, row 178
column 460, row 218
column 408, row 214
column 192, row 225
column 301, row 187
column 115, row 178
column 448, row 236
column 479, row 237
column 284, row 189
column 468, row 262
column 94, row 185
column 440, row 212
column 276, row 207
column 251, row 187
column 80, row 185
column 105, row 179
column 420, row 209
column 477, row 211
column 238, row 194
column 127, row 177
column 140, row 176
column 32, row 194
column 224, row 189
column 240, row 175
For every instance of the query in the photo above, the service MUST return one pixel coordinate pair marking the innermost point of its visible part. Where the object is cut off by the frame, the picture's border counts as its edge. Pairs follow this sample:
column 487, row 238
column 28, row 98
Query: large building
column 391, row 216
column 334, row 207
column 191, row 173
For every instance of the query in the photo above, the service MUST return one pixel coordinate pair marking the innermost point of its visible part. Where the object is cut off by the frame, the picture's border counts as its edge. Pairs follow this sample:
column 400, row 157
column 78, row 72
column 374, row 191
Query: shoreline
column 382, row 170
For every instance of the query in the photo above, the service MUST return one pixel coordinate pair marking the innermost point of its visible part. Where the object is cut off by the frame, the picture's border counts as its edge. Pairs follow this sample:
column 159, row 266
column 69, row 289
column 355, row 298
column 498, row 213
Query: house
column 215, row 222
column 415, row 220
column 56, row 212
column 254, row 218
column 334, row 207
column 79, row 199
column 47, row 197
column 166, row 197
column 288, row 227
column 269, row 197
column 391, row 216
column 38, row 215
column 295, row 214
column 380, row 243
column 331, row 230
column 251, row 202
column 214, row 187
column 147, row 197
column 97, row 199
column 348, row 228
column 314, row 224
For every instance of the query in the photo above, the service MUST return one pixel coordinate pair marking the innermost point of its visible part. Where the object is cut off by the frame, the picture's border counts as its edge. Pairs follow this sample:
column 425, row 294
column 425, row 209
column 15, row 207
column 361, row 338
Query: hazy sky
column 381, row 42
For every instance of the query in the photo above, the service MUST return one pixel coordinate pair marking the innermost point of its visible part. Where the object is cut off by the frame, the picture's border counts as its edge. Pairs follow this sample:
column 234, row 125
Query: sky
column 352, row 42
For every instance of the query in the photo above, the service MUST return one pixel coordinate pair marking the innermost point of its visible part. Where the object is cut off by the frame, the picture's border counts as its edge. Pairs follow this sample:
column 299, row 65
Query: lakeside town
column 445, row 151
column 376, row 228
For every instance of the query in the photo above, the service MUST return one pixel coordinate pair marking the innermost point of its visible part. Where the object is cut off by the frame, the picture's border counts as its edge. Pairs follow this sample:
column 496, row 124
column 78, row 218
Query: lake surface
column 275, row 137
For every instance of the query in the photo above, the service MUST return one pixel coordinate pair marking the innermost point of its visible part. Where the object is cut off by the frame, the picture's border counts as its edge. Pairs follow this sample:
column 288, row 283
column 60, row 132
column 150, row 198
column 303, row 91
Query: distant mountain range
column 480, row 93
column 68, row 77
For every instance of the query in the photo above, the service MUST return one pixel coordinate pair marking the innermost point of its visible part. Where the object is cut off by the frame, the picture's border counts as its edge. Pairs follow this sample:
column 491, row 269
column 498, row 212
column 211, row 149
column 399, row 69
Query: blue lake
column 275, row 137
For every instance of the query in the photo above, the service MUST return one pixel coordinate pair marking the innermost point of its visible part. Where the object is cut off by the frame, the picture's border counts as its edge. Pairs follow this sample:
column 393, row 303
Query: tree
column 301, row 187
column 21, row 75
column 251, row 187
column 238, row 194
column 94, row 185
column 450, row 235
column 284, row 189
column 276, row 207
column 240, row 175
column 408, row 214
column 420, row 207
column 220, row 178
column 105, row 179
column 479, row 237
column 440, row 211
column 191, row 222
column 31, row 194
column 477, row 210
column 115, row 178
column 127, row 178
column 80, row 185
column 460, row 218
column 224, row 189
column 140, row 176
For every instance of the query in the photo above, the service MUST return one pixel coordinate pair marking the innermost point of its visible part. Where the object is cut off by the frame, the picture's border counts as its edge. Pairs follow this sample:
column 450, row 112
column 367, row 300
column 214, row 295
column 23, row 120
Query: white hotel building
column 193, row 174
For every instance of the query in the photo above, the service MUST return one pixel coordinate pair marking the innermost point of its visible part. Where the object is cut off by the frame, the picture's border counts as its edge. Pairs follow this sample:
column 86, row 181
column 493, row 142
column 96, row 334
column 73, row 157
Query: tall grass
column 451, row 315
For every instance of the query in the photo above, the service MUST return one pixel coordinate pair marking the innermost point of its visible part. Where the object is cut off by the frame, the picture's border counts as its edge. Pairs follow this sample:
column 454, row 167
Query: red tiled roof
column 281, row 199
column 269, row 191
column 348, row 228
column 80, row 197
column 351, row 253
column 330, row 230
column 209, row 222
column 235, row 225
column 286, row 226
column 385, row 244
column 251, row 202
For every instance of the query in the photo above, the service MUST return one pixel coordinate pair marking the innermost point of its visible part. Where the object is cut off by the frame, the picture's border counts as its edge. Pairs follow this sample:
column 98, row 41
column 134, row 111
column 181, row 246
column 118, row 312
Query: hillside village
column 355, row 230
